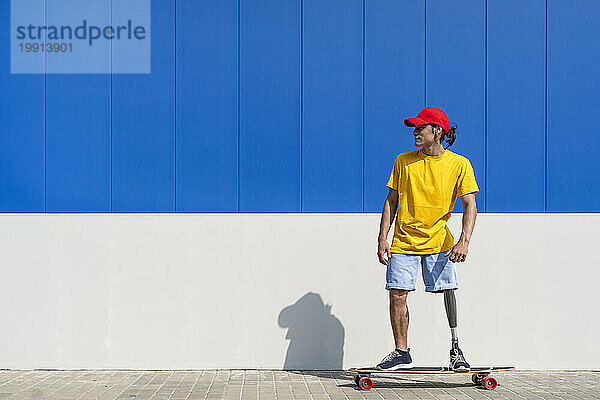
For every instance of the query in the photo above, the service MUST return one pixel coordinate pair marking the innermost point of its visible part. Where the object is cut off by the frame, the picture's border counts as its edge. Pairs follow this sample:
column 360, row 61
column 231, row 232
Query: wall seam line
column 301, row 105
column 175, row 108
column 485, row 115
column 238, row 106
column 110, row 116
column 45, row 115
column 363, row 106
column 546, row 117
column 425, row 54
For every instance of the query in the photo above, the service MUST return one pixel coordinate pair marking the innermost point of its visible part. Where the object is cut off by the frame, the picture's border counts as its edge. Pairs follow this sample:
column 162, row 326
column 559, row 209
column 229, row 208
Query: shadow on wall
column 316, row 336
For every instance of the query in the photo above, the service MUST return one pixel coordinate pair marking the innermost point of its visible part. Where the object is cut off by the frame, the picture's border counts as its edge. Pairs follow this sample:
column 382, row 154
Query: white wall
column 178, row 291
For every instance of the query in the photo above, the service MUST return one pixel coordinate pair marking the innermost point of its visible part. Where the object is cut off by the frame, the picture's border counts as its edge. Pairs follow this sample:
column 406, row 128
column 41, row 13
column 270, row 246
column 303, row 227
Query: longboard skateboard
column 480, row 375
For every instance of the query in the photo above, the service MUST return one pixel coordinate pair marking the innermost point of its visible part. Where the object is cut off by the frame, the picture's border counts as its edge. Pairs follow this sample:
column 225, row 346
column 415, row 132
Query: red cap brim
column 415, row 121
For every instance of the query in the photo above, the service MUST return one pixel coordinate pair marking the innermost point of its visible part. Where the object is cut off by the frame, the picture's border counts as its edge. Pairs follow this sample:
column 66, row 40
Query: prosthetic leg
column 457, row 359
column 450, row 303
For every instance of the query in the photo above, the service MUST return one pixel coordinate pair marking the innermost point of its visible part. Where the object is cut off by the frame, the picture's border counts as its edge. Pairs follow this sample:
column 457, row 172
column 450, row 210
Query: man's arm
column 387, row 219
column 458, row 253
column 469, row 216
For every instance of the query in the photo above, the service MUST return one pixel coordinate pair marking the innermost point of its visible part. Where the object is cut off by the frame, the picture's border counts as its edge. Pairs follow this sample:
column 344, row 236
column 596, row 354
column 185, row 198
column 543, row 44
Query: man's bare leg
column 400, row 357
column 399, row 317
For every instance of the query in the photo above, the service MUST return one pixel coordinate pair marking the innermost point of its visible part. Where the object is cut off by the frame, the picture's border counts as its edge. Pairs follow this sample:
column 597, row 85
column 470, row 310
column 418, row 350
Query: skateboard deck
column 480, row 375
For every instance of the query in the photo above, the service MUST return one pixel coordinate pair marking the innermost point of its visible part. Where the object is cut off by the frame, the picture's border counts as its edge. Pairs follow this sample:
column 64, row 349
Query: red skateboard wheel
column 490, row 383
column 365, row 383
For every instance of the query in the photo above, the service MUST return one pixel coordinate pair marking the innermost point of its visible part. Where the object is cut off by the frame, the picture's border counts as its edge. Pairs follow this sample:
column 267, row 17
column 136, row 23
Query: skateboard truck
column 485, row 381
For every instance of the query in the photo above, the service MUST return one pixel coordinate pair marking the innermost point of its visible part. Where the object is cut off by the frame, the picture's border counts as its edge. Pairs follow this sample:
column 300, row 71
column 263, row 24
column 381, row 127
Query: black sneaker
column 458, row 362
column 396, row 360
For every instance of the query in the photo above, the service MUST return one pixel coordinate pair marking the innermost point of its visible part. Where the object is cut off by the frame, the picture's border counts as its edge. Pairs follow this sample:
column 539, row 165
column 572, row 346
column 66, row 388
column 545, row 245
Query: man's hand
column 383, row 250
column 458, row 253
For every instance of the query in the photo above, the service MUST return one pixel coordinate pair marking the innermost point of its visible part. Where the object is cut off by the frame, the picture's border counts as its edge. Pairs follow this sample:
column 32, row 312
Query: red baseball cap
column 430, row 115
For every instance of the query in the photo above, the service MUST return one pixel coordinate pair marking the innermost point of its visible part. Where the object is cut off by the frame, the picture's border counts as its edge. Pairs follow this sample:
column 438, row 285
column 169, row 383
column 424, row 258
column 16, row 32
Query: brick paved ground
column 301, row 385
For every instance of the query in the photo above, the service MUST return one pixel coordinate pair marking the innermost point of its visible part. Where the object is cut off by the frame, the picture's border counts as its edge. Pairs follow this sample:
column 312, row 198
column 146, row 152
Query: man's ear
column 439, row 132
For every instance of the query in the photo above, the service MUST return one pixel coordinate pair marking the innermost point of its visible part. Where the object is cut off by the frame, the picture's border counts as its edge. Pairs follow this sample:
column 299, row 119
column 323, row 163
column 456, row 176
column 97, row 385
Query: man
column 423, row 186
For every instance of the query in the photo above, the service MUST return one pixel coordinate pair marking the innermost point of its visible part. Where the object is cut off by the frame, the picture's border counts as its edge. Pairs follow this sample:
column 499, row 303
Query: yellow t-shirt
column 427, row 189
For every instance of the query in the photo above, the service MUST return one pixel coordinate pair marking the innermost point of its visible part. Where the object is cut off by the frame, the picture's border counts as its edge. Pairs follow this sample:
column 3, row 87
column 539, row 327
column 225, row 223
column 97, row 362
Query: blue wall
column 297, row 106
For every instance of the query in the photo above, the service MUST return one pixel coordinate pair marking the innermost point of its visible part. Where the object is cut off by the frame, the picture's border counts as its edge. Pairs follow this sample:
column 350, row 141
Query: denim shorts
column 438, row 272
